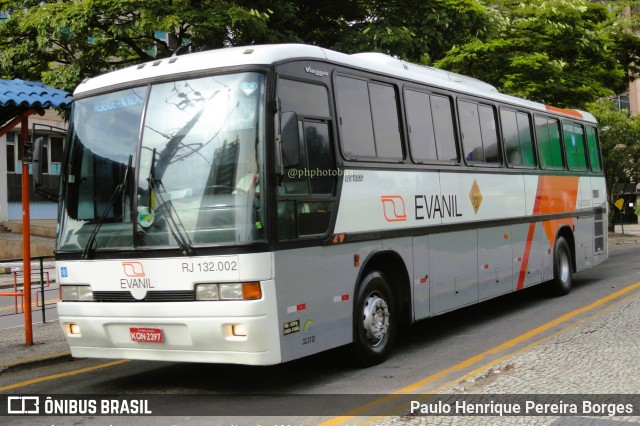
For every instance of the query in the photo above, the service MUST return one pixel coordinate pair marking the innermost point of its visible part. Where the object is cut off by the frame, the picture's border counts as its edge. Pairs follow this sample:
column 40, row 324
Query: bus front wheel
column 374, row 324
column 562, row 269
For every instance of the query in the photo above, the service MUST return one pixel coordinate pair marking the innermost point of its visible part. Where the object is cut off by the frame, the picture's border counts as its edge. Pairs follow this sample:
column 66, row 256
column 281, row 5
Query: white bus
column 256, row 205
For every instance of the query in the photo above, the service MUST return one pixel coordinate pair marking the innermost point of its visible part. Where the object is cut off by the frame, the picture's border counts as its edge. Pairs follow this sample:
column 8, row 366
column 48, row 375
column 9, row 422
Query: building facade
column 52, row 128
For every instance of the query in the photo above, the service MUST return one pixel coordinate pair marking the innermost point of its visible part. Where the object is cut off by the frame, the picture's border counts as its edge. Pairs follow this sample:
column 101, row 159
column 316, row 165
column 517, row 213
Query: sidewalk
column 598, row 356
column 48, row 346
column 629, row 230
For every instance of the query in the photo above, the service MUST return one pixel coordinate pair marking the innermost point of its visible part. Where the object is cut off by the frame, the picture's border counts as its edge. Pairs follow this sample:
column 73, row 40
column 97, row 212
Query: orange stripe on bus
column 570, row 112
column 555, row 194
column 559, row 195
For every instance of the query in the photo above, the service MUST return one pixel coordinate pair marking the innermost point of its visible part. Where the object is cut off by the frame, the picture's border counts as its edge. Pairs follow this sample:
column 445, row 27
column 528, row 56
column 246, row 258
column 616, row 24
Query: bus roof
column 274, row 53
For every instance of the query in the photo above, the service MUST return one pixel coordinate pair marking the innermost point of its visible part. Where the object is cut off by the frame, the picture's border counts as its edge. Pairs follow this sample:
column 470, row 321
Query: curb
column 624, row 241
column 39, row 360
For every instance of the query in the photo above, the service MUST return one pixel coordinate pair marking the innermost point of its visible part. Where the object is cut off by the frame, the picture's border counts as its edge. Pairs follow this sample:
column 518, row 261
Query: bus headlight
column 76, row 293
column 229, row 291
column 207, row 292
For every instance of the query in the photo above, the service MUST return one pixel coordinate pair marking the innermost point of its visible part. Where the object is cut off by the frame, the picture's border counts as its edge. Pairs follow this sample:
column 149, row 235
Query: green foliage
column 415, row 30
column 565, row 52
column 562, row 52
column 61, row 42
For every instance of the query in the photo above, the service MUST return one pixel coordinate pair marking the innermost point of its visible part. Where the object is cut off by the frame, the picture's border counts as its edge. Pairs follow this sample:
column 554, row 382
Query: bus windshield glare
column 173, row 164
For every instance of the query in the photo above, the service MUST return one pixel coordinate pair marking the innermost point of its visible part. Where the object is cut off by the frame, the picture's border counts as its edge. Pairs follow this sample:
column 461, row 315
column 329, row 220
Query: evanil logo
column 136, row 282
column 393, row 208
column 133, row 269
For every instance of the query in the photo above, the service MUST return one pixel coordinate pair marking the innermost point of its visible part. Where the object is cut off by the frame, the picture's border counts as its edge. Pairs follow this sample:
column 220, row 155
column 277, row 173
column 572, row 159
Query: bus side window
column 356, row 124
column 443, row 128
column 516, row 131
column 549, row 147
column 574, row 145
column 479, row 132
column 594, row 152
column 422, row 139
column 368, row 119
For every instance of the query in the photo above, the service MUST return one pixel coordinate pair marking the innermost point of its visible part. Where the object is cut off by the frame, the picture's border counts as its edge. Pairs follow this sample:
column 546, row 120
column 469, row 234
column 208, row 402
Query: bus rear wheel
column 374, row 324
column 562, row 269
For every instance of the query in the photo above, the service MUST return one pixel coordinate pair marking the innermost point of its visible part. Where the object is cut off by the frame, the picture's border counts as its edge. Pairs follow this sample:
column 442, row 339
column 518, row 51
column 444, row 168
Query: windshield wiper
column 175, row 226
column 88, row 248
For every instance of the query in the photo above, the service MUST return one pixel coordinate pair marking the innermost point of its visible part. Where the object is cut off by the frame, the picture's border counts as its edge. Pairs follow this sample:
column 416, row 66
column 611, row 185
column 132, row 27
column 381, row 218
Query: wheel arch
column 391, row 264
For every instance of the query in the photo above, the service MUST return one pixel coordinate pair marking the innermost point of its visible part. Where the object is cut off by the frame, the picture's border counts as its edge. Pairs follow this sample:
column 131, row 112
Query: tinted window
column 516, row 130
column 549, row 148
column 420, row 123
column 354, row 115
column 430, row 126
column 316, row 138
column 511, row 138
column 384, row 109
column 303, row 98
column 315, row 174
column 574, row 145
column 479, row 133
column 594, row 152
column 368, row 119
column 489, row 133
column 443, row 127
column 526, row 143
column 470, row 126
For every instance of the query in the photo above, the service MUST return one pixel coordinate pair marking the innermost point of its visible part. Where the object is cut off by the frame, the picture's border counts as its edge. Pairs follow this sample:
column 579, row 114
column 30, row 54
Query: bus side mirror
column 36, row 162
column 290, row 139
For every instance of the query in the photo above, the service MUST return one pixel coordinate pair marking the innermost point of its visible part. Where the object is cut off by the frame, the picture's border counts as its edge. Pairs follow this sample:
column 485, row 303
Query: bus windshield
column 173, row 164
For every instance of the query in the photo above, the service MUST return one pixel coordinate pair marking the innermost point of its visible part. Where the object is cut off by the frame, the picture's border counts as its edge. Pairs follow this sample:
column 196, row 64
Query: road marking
column 481, row 356
column 486, row 366
column 67, row 374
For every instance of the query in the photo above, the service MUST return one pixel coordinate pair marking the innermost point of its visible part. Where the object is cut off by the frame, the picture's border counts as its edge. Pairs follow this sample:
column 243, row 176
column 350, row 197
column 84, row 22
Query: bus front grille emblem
column 475, row 196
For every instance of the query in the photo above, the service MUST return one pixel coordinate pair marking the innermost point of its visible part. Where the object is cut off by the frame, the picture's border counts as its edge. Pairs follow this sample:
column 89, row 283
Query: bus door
column 306, row 193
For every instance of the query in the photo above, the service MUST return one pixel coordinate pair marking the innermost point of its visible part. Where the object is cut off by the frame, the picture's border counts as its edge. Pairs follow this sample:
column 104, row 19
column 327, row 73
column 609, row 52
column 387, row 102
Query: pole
column 42, row 289
column 26, row 235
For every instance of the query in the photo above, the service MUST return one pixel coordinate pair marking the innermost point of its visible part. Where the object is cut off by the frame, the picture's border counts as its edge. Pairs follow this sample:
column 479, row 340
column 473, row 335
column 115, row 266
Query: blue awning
column 17, row 96
column 32, row 94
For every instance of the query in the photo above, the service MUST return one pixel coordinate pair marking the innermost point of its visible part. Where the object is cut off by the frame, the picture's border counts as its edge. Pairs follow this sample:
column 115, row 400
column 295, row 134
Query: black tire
column 562, row 268
column 374, row 320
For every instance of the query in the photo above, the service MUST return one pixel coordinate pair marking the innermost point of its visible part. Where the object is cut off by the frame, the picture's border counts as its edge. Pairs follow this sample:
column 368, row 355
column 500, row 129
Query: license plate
column 153, row 335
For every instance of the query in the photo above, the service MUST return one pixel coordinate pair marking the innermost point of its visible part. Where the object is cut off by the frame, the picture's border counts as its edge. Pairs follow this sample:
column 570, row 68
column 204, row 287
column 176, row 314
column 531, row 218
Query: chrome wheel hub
column 375, row 319
column 564, row 267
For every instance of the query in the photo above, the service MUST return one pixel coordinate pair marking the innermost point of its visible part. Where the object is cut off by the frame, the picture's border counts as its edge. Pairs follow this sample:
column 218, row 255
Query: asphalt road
column 429, row 355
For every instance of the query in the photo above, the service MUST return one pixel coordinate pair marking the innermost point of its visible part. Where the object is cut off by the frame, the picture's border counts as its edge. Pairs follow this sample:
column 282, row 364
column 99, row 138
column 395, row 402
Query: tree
column 415, row 30
column 620, row 142
column 566, row 52
column 61, row 42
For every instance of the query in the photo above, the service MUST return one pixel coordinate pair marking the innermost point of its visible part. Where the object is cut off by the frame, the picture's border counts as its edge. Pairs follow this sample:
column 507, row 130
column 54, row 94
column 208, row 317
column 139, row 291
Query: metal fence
column 44, row 289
